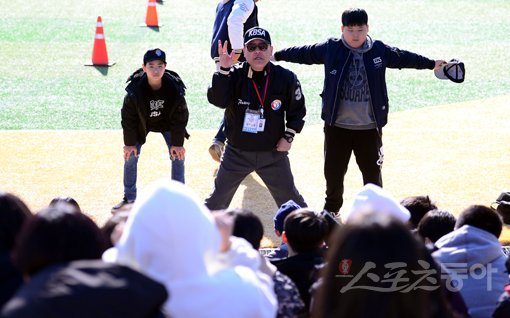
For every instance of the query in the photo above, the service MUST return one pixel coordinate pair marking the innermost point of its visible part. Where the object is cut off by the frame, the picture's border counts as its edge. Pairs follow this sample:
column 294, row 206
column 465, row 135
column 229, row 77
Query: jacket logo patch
column 276, row 104
column 377, row 62
column 333, row 72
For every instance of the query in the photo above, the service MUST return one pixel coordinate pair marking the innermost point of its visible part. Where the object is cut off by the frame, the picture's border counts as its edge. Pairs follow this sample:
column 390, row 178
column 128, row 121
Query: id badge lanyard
column 262, row 99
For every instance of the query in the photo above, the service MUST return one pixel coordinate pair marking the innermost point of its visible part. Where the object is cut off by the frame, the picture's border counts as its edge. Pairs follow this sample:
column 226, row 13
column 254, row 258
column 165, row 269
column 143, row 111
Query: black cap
column 152, row 55
column 257, row 33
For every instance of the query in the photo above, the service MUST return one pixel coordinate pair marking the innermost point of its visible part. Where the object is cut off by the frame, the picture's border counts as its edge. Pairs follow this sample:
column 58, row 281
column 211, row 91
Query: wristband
column 288, row 136
column 238, row 51
column 224, row 70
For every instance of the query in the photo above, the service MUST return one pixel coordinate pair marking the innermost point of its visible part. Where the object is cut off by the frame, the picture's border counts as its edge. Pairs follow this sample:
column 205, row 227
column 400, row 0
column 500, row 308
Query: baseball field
column 60, row 121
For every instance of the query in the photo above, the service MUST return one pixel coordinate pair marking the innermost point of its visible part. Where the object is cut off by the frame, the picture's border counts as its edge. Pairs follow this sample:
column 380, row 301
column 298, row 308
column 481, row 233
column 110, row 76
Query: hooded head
column 372, row 198
column 169, row 233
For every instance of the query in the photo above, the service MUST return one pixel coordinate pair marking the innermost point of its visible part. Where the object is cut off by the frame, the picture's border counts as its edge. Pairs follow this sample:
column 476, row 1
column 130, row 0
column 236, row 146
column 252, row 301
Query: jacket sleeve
column 178, row 121
column 307, row 54
column 296, row 111
column 129, row 121
column 241, row 11
column 398, row 58
column 220, row 92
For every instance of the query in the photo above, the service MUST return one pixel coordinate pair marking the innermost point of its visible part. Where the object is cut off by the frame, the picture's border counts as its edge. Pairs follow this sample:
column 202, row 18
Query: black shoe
column 122, row 205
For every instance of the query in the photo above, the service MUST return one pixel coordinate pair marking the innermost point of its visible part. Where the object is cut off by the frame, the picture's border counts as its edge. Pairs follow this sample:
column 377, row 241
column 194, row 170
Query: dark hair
column 67, row 200
column 435, row 224
column 377, row 240
column 481, row 217
column 109, row 226
column 354, row 16
column 13, row 213
column 305, row 230
column 417, row 206
column 54, row 235
column 247, row 225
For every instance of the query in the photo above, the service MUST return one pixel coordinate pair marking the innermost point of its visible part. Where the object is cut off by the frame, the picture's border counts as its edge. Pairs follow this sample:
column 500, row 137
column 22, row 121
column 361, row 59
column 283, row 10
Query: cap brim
column 262, row 39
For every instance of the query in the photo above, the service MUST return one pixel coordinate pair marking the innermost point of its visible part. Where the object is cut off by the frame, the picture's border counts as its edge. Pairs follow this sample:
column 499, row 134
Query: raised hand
column 226, row 60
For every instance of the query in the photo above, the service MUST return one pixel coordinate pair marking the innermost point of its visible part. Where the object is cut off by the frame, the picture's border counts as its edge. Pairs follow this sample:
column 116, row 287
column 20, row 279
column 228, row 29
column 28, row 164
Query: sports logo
column 377, row 62
column 256, row 32
column 276, row 104
column 344, row 267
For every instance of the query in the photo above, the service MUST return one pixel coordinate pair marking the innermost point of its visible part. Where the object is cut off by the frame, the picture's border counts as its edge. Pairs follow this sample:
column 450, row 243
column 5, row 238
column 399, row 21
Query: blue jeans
column 131, row 167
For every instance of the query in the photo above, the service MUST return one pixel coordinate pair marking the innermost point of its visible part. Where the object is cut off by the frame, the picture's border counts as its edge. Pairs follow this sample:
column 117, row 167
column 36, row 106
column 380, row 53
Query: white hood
column 171, row 236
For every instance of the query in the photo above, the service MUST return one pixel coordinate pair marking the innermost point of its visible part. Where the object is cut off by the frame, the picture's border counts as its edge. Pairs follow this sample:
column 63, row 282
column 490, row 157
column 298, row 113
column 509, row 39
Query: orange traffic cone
column 151, row 19
column 99, row 54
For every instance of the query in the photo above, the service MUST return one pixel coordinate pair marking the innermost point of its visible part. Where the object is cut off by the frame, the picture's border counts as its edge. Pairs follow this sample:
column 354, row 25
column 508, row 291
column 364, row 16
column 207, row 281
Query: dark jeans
column 273, row 167
column 131, row 170
column 339, row 143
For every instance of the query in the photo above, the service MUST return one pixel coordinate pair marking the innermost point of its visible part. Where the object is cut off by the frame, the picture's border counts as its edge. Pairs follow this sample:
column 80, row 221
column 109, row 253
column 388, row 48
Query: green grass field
column 44, row 44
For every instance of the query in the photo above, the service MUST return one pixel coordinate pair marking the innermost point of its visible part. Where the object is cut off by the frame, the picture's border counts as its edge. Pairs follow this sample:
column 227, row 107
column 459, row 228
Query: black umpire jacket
column 284, row 105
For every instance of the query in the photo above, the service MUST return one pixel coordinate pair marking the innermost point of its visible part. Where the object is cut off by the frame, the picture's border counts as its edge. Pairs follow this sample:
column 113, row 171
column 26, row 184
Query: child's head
column 304, row 230
column 355, row 27
column 284, row 210
column 154, row 64
column 247, row 225
column 417, row 205
column 354, row 17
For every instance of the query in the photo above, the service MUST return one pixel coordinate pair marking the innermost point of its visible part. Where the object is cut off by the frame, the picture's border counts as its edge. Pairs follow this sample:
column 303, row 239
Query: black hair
column 109, row 226
column 247, row 225
column 67, row 200
column 13, row 213
column 55, row 235
column 417, row 206
column 371, row 242
column 481, row 217
column 435, row 224
column 354, row 16
column 305, row 230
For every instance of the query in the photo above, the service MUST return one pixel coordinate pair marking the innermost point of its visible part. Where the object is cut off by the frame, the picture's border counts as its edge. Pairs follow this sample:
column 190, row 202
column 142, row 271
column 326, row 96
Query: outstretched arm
column 307, row 54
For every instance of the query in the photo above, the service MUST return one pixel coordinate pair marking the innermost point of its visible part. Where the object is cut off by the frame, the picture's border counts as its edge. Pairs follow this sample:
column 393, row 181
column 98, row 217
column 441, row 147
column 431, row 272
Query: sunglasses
column 261, row 46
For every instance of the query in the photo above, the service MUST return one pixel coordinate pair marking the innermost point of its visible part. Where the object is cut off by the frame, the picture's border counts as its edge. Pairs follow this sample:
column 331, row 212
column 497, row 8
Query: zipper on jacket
column 337, row 85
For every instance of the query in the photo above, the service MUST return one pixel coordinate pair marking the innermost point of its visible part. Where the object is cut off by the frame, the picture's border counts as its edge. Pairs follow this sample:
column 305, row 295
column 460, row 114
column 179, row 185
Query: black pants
column 273, row 167
column 339, row 143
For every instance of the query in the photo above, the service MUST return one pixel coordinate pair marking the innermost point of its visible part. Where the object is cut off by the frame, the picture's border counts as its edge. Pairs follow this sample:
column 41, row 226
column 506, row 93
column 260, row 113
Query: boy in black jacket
column 154, row 102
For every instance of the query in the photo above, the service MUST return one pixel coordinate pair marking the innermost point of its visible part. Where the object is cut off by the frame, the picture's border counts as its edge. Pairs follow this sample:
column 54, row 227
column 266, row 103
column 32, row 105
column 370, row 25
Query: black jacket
column 284, row 105
column 135, row 113
column 10, row 278
column 336, row 58
column 87, row 289
column 303, row 269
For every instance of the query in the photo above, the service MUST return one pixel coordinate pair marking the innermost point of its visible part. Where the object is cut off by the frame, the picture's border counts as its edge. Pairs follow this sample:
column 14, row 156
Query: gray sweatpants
column 273, row 167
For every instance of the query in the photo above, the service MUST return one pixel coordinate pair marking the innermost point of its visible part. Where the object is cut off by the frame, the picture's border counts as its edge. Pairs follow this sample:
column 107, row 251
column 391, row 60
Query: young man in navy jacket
column 354, row 98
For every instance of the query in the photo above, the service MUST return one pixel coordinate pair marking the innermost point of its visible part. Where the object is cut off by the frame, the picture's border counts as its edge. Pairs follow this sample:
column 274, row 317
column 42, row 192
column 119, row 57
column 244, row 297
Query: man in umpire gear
column 264, row 109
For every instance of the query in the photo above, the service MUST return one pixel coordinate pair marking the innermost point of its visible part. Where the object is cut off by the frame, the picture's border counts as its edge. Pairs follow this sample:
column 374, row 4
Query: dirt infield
column 457, row 154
